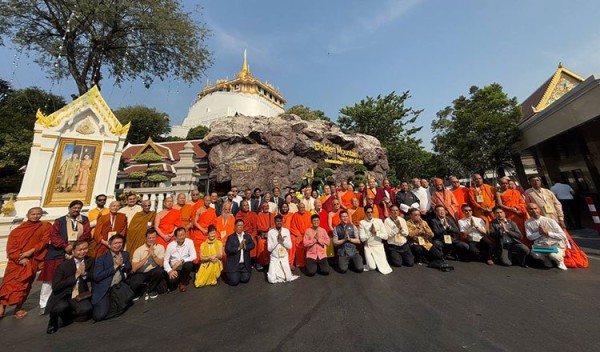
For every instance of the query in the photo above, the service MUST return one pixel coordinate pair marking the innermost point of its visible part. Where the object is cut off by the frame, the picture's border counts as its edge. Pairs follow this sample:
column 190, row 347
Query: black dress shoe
column 51, row 329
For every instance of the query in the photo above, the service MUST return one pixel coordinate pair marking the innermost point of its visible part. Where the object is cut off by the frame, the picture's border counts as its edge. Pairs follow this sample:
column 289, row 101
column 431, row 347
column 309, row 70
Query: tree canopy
column 126, row 39
column 478, row 132
column 197, row 132
column 17, row 114
column 145, row 122
column 305, row 113
column 389, row 120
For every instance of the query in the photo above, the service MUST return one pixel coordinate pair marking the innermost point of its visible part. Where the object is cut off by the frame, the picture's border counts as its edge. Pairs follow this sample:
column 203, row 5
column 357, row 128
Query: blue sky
column 331, row 54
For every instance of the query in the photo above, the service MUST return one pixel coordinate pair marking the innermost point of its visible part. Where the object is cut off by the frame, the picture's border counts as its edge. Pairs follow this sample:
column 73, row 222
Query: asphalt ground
column 474, row 308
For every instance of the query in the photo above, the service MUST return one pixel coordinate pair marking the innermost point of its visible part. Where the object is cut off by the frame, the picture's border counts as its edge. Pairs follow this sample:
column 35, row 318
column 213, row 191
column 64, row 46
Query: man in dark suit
column 256, row 200
column 71, row 288
column 110, row 270
column 508, row 248
column 446, row 234
column 277, row 197
column 237, row 248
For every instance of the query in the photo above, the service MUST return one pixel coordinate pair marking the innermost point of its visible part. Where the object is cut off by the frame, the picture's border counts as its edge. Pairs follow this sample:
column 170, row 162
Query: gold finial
column 560, row 65
column 245, row 71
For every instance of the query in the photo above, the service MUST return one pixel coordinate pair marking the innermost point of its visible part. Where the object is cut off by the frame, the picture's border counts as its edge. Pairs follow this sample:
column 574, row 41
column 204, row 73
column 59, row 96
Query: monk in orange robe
column 514, row 207
column 186, row 211
column 461, row 194
column 300, row 222
column 138, row 226
column 326, row 193
column 202, row 219
column 358, row 213
column 165, row 223
column 346, row 197
column 97, row 212
column 26, row 248
column 333, row 218
column 225, row 225
column 445, row 198
column 265, row 221
column 107, row 225
column 482, row 198
column 250, row 219
column 196, row 201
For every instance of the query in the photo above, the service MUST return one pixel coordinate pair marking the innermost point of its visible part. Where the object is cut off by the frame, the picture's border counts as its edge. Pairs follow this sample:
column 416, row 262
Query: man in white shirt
column 475, row 230
column 131, row 208
column 373, row 233
column 566, row 197
column 279, row 243
column 423, row 196
column 178, row 261
column 398, row 246
column 549, row 239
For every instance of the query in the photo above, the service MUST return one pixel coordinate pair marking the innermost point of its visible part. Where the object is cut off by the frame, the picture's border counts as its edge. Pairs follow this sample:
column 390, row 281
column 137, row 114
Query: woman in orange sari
column 514, row 206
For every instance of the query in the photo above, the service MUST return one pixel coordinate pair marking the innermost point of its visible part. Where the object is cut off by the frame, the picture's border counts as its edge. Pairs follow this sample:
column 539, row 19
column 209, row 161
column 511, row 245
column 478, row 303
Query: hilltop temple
column 242, row 95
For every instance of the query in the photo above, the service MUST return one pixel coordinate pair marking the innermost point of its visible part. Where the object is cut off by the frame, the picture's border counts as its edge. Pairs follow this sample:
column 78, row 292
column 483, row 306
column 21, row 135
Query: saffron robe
column 461, row 194
column 204, row 219
column 377, row 194
column 446, row 199
column 346, row 199
column 167, row 226
column 136, row 231
column 299, row 224
column 357, row 216
column 488, row 201
column 264, row 223
column 187, row 212
column 95, row 214
column 106, row 223
column 513, row 199
column 18, row 279
column 224, row 229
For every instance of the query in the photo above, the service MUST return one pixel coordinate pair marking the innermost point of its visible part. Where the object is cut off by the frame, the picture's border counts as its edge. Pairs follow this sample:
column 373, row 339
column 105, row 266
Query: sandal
column 20, row 314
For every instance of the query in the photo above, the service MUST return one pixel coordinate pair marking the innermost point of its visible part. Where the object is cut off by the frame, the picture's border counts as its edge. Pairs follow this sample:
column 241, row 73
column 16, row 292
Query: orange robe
column 513, row 199
column 18, row 279
column 137, row 228
column 446, row 199
column 195, row 206
column 106, row 223
column 462, row 197
column 265, row 222
column 299, row 224
column 187, row 212
column 335, row 220
column 358, row 215
column 250, row 219
column 489, row 201
column 167, row 225
column 205, row 219
column 347, row 199
column 95, row 214
column 224, row 229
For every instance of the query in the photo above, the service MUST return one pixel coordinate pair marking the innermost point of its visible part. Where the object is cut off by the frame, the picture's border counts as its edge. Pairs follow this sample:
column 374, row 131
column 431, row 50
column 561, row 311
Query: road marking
column 593, row 257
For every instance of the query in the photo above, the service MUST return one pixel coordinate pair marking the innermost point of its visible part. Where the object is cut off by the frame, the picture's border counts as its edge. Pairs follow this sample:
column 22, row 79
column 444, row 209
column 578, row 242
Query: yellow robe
column 209, row 272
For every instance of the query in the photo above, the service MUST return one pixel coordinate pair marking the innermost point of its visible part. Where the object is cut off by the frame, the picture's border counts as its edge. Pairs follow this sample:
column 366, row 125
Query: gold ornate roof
column 92, row 98
column 150, row 144
column 245, row 83
column 561, row 82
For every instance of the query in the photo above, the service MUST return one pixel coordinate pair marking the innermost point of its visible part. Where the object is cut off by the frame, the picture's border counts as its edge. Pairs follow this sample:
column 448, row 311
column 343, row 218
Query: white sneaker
column 561, row 265
column 365, row 269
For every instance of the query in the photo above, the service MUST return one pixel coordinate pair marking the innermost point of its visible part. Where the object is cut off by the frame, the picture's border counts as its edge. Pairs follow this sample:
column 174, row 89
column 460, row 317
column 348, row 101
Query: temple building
column 561, row 132
column 243, row 95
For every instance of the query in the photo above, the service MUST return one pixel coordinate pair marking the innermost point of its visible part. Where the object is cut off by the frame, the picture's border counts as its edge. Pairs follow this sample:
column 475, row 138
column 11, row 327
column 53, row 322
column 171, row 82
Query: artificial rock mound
column 267, row 152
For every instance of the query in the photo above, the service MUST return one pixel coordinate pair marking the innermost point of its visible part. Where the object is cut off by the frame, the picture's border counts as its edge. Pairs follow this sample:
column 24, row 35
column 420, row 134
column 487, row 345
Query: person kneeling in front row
column 179, row 257
column 315, row 240
column 237, row 248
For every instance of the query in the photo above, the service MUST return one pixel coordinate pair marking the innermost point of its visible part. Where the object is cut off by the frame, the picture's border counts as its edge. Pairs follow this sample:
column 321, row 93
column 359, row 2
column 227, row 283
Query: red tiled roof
column 171, row 149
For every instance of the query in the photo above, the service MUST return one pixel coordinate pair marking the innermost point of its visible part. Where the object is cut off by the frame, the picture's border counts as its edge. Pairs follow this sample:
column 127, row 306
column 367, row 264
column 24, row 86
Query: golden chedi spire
column 245, row 71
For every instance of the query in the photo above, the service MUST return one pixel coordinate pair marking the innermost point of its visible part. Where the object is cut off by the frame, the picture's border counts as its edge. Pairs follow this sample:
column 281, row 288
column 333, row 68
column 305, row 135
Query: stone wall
column 267, row 152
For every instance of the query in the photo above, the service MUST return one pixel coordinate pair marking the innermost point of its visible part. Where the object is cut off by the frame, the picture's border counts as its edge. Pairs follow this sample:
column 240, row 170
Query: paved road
column 474, row 308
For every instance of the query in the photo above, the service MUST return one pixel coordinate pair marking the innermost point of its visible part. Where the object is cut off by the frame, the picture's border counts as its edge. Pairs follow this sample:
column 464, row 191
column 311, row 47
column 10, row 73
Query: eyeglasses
column 229, row 195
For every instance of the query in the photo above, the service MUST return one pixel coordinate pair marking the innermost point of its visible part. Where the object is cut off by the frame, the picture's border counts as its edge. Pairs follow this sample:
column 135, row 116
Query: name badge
column 427, row 246
column 111, row 234
column 282, row 251
column 421, row 241
column 548, row 208
column 223, row 234
column 447, row 239
column 480, row 199
column 72, row 237
column 476, row 238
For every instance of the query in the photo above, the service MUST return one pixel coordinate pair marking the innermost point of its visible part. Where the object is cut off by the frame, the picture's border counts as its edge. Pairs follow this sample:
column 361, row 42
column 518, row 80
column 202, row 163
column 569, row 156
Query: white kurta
column 374, row 250
column 279, row 265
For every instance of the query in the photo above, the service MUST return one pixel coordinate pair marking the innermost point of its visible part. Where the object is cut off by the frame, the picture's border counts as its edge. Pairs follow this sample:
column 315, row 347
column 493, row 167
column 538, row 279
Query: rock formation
column 267, row 152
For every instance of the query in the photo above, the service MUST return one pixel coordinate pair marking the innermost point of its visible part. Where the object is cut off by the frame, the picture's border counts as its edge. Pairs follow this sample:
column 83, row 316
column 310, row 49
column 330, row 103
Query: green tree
column 197, row 132
column 478, row 132
column 145, row 122
column 17, row 116
column 125, row 39
column 390, row 121
column 305, row 113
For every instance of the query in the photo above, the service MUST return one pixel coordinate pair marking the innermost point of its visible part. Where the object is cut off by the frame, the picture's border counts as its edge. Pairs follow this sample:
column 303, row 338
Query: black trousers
column 313, row 264
column 241, row 275
column 423, row 255
column 482, row 249
column 344, row 262
column 183, row 275
column 457, row 248
column 401, row 255
column 150, row 279
column 101, row 308
column 68, row 308
column 517, row 253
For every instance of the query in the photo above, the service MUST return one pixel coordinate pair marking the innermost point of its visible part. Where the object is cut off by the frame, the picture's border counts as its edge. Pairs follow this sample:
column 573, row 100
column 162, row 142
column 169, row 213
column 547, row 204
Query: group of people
column 97, row 265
